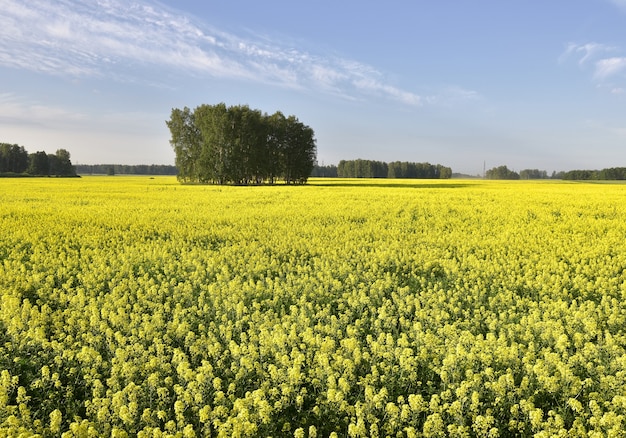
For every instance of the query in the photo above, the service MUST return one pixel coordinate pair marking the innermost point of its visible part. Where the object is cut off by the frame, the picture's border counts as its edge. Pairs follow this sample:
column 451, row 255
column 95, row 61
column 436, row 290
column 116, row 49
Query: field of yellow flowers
column 136, row 306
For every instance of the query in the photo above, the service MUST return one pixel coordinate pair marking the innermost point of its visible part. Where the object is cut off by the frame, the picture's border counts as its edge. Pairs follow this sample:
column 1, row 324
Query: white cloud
column 455, row 95
column 327, row 76
column 115, row 38
column 608, row 67
column 371, row 85
column 606, row 70
column 60, row 30
column 585, row 52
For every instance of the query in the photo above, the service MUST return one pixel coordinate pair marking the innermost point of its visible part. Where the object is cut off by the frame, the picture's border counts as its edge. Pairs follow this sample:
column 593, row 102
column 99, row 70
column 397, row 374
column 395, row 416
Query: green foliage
column 14, row 160
column 238, row 145
column 613, row 173
column 329, row 171
column 39, row 164
column 533, row 174
column 501, row 172
column 378, row 169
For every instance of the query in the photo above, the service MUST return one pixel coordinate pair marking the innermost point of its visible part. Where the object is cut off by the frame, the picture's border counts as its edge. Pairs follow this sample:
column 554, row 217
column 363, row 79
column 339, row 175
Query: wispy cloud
column 454, row 95
column 585, row 52
column 606, row 68
column 87, row 38
column 120, row 38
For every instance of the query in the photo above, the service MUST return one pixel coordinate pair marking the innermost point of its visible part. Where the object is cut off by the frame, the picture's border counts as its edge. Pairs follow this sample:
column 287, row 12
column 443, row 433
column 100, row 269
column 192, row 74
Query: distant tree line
column 403, row 169
column 503, row 172
column 16, row 161
column 239, row 145
column 533, row 174
column 397, row 169
column 328, row 171
column 125, row 169
column 612, row 173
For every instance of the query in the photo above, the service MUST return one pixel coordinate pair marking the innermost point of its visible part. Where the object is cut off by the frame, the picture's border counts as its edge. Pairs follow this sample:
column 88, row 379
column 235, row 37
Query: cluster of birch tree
column 239, row 145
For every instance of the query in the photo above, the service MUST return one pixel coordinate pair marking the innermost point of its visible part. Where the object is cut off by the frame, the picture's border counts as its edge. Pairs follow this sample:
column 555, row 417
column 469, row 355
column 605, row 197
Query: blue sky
column 526, row 84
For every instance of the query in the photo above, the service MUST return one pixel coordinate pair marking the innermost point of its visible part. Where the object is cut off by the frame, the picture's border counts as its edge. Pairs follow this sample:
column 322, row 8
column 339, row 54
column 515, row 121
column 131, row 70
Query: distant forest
column 608, row 174
column 379, row 169
column 16, row 161
column 124, row 169
column 613, row 173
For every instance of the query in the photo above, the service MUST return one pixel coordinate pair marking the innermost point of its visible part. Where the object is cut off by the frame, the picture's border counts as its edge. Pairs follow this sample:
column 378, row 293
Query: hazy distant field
column 139, row 306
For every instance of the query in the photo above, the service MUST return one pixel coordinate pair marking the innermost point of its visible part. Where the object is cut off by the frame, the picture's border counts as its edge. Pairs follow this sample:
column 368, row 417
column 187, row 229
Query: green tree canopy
column 39, row 164
column 60, row 163
column 533, row 174
column 397, row 169
column 501, row 172
column 13, row 158
column 611, row 173
column 239, row 145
